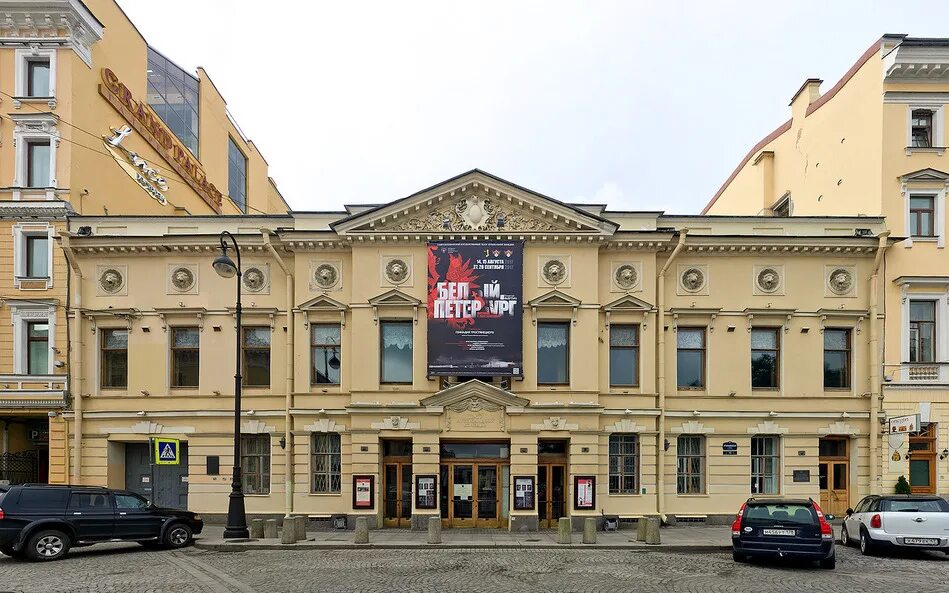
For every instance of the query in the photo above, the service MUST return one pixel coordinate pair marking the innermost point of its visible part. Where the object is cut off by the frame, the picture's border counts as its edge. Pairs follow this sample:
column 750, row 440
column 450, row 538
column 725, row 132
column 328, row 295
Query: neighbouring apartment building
column 480, row 352
column 92, row 121
column 875, row 145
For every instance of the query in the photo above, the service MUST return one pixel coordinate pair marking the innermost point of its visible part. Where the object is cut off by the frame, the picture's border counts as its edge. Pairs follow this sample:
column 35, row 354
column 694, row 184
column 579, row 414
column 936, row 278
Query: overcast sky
column 642, row 105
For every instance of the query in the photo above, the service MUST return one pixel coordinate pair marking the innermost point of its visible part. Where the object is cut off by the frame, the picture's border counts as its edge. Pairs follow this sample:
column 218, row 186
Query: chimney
column 809, row 92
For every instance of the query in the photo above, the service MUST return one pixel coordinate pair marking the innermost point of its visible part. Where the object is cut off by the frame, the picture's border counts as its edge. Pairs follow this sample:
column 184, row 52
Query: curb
column 309, row 546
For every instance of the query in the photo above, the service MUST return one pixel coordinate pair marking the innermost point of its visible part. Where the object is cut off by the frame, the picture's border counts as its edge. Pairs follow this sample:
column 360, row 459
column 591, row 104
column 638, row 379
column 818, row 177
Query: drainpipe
column 876, row 400
column 287, row 420
column 661, row 374
column 75, row 367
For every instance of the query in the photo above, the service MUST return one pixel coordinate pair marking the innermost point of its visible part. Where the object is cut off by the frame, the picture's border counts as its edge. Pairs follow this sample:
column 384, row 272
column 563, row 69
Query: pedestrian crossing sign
column 166, row 451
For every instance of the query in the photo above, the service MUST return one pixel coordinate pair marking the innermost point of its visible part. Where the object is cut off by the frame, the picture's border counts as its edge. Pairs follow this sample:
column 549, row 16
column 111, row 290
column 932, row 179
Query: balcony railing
column 32, row 391
column 918, row 373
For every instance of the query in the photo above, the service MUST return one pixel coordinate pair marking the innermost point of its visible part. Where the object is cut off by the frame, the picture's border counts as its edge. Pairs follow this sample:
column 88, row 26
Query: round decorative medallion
column 254, row 279
column 325, row 276
column 768, row 280
column 555, row 271
column 111, row 281
column 626, row 276
column 397, row 271
column 693, row 279
column 182, row 279
column 840, row 281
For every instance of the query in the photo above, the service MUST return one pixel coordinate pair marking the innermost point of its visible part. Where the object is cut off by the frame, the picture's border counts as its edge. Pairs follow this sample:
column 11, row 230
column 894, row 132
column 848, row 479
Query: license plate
column 777, row 532
column 920, row 541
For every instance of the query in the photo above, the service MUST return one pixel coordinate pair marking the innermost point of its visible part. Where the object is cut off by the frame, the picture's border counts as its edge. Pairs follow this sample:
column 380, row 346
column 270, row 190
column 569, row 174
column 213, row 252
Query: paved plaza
column 121, row 568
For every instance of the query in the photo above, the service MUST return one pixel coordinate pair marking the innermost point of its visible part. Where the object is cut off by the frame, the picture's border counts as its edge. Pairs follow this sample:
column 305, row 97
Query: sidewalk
column 674, row 539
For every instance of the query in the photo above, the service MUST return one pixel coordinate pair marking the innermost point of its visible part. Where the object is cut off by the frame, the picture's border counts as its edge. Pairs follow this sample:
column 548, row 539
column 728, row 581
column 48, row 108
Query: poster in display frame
column 426, row 491
column 584, row 493
column 524, row 493
column 364, row 492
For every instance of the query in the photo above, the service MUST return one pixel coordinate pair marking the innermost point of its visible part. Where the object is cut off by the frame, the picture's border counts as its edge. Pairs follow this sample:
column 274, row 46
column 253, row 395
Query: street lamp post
column 236, row 526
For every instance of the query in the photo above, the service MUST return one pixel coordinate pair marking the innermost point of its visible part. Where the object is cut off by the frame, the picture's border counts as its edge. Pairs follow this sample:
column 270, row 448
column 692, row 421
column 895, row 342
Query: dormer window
column 922, row 128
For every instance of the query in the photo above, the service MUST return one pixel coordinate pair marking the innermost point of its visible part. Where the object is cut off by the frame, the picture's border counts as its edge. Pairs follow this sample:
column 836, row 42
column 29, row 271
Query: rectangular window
column 37, row 163
column 37, row 256
column 115, row 359
column 37, row 347
column 624, row 355
column 765, row 465
column 256, row 351
column 255, row 463
column 836, row 358
column 553, row 353
column 173, row 95
column 325, row 463
column 690, row 357
column 922, row 128
column 324, row 354
column 922, row 331
column 624, row 463
column 185, row 357
column 765, row 357
column 396, row 351
column 236, row 175
column 922, row 216
column 690, row 462
column 37, row 78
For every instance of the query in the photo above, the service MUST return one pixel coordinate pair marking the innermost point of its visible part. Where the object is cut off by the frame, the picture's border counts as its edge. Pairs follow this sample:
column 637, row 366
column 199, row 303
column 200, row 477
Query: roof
column 778, row 500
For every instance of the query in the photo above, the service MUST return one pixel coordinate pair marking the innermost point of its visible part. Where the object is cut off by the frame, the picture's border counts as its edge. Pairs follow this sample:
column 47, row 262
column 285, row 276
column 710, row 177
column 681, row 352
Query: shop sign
column 729, row 448
column 584, row 490
column 908, row 424
column 475, row 308
column 363, row 492
column 157, row 134
column 149, row 178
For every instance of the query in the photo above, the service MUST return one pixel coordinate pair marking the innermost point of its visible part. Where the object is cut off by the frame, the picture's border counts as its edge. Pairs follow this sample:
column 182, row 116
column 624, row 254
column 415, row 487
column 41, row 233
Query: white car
column 898, row 521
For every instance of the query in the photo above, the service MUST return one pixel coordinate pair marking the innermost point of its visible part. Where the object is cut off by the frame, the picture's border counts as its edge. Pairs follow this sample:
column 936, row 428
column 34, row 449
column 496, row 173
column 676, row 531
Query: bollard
column 641, row 529
column 589, row 530
column 288, row 535
column 563, row 531
column 362, row 531
column 434, row 530
column 270, row 528
column 256, row 528
column 301, row 528
column 652, row 531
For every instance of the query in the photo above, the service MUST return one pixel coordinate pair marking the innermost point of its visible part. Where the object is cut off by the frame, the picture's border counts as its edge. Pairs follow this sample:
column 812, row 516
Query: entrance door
column 163, row 485
column 834, row 476
column 551, row 494
column 397, row 485
column 922, row 460
column 462, row 496
column 487, row 499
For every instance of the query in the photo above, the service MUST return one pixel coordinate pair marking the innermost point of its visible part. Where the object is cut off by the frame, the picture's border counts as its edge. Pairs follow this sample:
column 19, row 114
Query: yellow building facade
column 671, row 365
column 874, row 145
column 93, row 121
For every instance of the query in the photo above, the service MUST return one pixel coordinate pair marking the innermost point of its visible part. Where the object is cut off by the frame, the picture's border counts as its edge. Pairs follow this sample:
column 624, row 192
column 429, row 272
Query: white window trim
column 779, row 471
column 20, row 233
column 937, row 124
column 20, row 315
column 29, row 127
column 23, row 57
column 939, row 216
column 941, row 324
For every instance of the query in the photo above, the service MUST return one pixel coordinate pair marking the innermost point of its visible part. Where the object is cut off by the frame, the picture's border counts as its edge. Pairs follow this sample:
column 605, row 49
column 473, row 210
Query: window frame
column 21, row 233
column 777, row 332
column 762, row 475
column 23, row 57
column 31, row 64
column 382, row 359
column 242, row 203
column 929, row 128
column 102, row 358
column 20, row 315
column 245, row 349
column 32, row 143
column 329, row 463
column 936, row 139
column 29, row 240
column 635, row 349
column 262, row 475
column 848, row 331
column 337, row 347
column 34, row 128
column 933, row 331
column 173, row 350
column 29, row 323
column 566, row 361
column 915, row 216
column 701, row 456
column 703, row 350
column 620, row 474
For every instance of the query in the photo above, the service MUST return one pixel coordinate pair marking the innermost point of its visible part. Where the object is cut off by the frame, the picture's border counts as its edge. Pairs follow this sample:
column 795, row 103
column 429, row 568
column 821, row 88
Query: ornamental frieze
column 475, row 214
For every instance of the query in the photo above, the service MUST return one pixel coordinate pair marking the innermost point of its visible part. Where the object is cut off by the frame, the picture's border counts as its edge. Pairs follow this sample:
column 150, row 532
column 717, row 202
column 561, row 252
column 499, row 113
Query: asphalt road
column 121, row 568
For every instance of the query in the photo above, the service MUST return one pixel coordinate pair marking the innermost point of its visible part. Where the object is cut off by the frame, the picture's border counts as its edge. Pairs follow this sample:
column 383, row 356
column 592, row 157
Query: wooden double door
column 472, row 492
column 397, row 493
column 551, row 494
column 833, row 474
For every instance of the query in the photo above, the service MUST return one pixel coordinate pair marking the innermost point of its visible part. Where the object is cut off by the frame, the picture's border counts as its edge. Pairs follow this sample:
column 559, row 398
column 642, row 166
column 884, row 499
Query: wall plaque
column 802, row 475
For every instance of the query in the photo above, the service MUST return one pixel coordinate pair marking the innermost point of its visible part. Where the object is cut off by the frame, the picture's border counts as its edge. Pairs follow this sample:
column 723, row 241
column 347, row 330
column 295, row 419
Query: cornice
column 51, row 23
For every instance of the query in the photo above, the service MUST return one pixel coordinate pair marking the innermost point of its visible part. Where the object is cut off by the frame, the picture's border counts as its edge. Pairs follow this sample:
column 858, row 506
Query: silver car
column 897, row 521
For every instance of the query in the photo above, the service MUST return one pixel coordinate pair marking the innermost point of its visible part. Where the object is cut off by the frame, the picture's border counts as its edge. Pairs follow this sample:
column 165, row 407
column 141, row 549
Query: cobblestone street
column 120, row 568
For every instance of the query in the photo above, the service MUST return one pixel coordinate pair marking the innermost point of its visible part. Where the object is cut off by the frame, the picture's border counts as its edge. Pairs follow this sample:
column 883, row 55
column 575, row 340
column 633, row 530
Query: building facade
column 670, row 364
column 94, row 121
column 874, row 145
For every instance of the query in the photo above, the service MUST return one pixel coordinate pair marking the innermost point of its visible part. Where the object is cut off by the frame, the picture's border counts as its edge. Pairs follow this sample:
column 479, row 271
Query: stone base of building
column 420, row 522
column 524, row 523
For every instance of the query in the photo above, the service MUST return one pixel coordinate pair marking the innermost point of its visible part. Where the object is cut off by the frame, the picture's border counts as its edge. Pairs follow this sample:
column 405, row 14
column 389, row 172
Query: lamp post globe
column 224, row 266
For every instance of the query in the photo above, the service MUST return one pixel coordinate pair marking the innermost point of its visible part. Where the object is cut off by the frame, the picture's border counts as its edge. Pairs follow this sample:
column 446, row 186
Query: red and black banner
column 475, row 308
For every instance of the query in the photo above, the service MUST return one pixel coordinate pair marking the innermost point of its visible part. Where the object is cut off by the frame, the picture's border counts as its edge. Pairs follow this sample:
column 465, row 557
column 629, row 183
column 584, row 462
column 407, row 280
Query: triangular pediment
column 474, row 393
column 323, row 303
column 394, row 298
column 554, row 298
column 927, row 174
column 475, row 202
column 627, row 303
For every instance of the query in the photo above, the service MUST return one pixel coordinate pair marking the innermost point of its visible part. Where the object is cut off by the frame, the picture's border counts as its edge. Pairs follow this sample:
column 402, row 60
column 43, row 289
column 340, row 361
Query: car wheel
column 47, row 545
column 844, row 536
column 829, row 563
column 866, row 544
column 177, row 536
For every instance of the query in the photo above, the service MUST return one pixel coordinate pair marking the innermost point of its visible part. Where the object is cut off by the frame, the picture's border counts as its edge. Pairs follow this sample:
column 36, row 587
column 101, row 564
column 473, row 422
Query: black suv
column 41, row 522
column 783, row 528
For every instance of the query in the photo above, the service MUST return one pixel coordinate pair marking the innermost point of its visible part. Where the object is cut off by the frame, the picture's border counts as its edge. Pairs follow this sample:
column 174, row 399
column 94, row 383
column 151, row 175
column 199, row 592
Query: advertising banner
column 475, row 308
